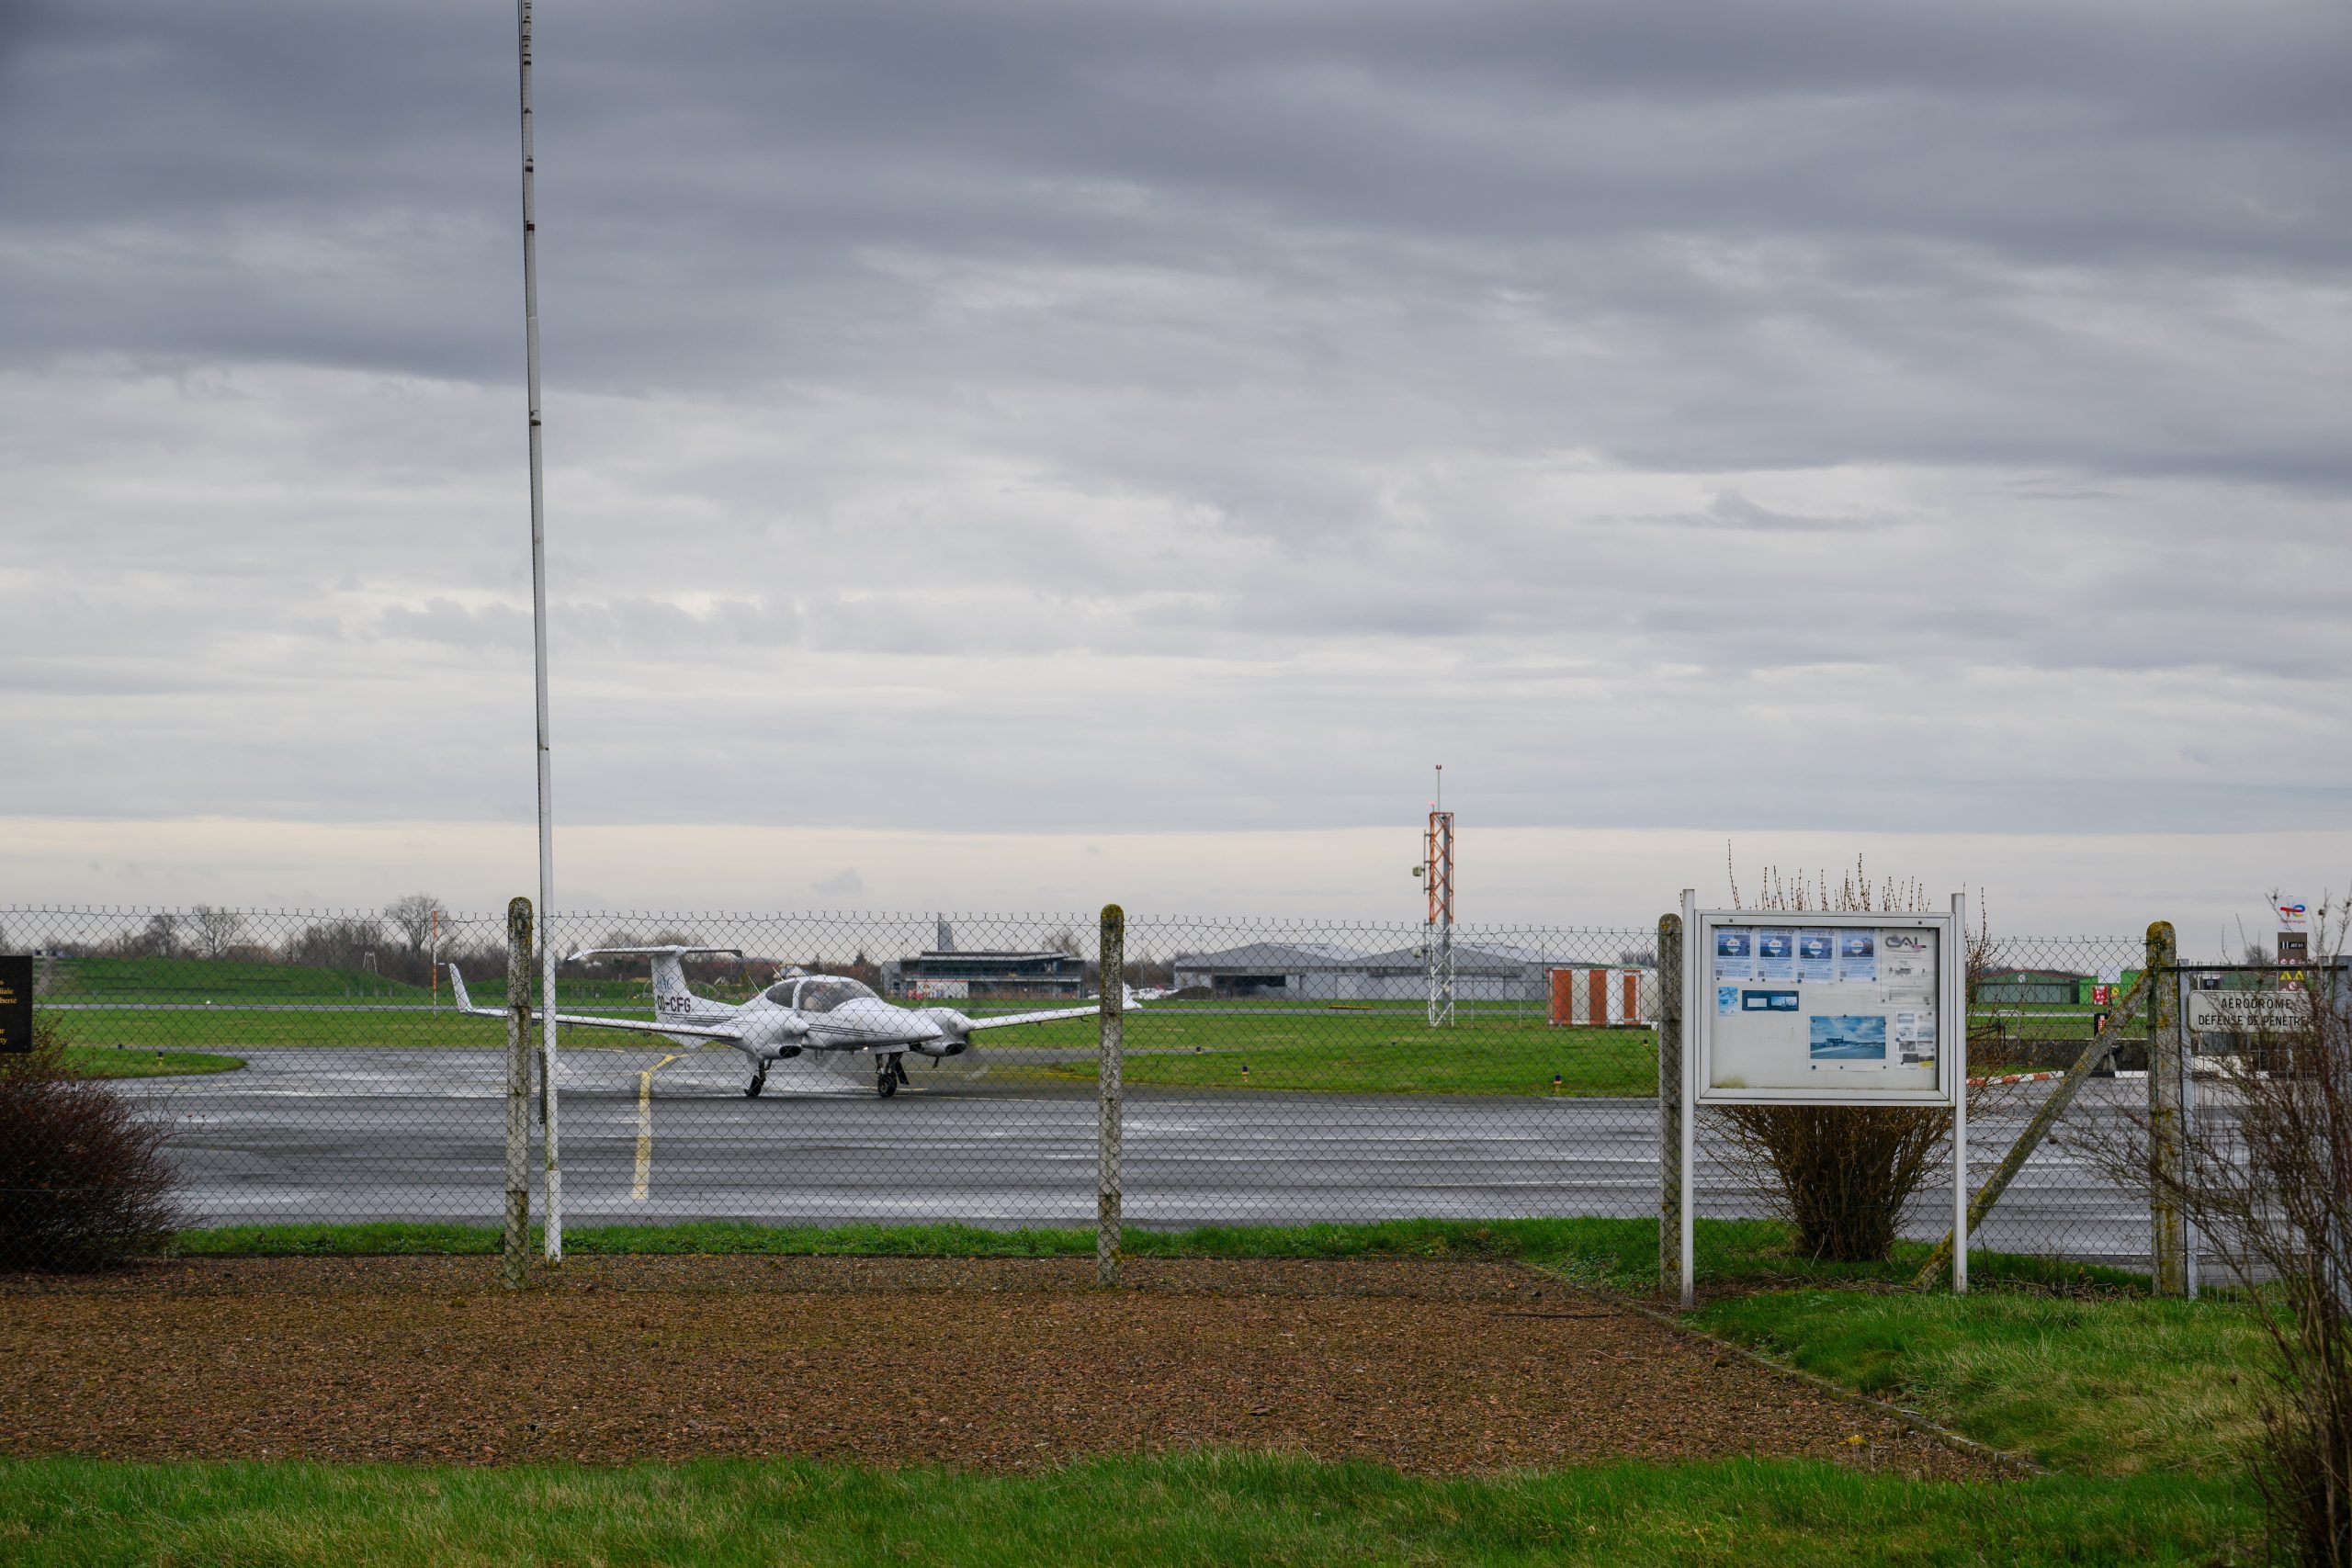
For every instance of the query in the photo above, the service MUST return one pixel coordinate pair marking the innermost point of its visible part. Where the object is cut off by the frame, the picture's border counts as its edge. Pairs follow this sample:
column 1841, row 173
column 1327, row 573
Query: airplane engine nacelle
column 952, row 1024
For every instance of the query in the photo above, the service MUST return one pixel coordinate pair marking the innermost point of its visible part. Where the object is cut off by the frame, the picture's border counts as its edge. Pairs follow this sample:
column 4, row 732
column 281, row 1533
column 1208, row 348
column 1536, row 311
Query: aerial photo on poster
column 1848, row 1037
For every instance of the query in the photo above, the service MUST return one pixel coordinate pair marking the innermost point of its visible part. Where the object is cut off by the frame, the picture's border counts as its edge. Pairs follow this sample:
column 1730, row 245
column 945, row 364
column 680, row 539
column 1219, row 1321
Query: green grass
column 2110, row 1385
column 1612, row 1254
column 1189, row 1509
column 98, row 1062
column 1336, row 1052
column 1377, row 1054
column 1618, row 1252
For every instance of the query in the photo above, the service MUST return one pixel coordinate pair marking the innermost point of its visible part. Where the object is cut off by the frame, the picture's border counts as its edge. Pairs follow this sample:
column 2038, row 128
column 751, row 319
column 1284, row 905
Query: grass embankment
column 122, row 1062
column 1208, row 1508
column 216, row 980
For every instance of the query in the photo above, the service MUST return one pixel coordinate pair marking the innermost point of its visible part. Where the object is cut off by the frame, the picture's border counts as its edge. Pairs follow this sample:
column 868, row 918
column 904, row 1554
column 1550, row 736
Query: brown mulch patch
column 988, row 1363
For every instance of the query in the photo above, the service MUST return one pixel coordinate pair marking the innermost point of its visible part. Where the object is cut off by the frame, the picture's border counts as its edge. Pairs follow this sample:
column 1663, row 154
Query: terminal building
column 946, row 971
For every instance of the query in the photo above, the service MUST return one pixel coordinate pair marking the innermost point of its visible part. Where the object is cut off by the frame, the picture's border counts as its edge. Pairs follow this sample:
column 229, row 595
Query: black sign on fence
column 15, row 1002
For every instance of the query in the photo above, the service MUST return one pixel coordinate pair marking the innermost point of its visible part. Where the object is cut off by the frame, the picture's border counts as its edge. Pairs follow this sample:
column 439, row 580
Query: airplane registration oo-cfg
column 824, row 1014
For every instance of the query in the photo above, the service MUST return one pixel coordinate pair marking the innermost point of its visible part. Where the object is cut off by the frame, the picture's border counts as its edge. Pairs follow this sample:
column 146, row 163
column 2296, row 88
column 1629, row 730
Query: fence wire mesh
column 315, row 1067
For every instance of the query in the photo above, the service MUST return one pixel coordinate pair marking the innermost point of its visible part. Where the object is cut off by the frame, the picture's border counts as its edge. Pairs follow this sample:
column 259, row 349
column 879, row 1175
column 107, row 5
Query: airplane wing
column 1127, row 1003
column 592, row 1021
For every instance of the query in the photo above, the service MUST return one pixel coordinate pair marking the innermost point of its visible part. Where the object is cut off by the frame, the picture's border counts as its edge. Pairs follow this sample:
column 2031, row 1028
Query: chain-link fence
column 2037, row 1004
column 320, row 1068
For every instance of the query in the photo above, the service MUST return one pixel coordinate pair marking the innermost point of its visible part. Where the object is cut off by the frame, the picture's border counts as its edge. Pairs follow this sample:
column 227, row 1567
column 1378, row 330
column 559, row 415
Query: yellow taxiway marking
column 640, row 1189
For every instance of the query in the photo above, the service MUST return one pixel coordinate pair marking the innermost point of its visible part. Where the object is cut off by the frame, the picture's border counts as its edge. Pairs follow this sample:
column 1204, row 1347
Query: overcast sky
column 1180, row 424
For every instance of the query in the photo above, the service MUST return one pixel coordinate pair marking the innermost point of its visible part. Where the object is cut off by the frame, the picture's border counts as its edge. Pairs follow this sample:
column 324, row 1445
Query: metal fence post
column 1109, row 1094
column 1669, row 1098
column 515, row 1248
column 2168, row 1237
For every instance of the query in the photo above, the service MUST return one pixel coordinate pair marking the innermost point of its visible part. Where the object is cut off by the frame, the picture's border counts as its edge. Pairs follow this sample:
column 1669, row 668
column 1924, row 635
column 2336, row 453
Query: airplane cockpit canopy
column 822, row 994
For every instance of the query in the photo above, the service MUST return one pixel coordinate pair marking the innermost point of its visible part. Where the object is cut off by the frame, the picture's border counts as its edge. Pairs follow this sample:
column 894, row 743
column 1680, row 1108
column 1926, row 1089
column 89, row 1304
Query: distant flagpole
column 547, row 1098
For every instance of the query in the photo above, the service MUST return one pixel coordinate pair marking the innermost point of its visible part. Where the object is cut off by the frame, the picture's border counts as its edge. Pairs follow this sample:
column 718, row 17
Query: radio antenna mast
column 547, row 1096
column 1437, row 929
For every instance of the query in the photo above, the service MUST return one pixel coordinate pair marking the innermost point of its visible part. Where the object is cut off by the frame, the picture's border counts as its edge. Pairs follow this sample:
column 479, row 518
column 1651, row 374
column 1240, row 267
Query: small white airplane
column 799, row 1012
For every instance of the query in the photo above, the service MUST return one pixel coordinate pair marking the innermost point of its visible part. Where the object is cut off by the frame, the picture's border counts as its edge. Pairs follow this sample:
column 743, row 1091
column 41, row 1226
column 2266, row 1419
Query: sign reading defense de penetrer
column 1797, row 1007
column 2249, row 1012
column 15, row 1002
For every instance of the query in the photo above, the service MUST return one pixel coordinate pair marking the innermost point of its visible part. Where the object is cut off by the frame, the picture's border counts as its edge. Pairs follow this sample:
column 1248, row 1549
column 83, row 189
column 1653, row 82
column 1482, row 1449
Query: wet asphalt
column 312, row 1134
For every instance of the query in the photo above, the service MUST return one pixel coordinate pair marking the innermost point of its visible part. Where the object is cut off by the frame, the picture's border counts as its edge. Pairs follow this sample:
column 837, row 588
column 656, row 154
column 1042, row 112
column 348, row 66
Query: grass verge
column 122, row 1062
column 1611, row 1254
column 1197, row 1509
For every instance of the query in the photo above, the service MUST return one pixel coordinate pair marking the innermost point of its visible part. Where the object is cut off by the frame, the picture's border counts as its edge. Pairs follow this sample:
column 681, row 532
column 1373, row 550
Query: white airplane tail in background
column 671, row 996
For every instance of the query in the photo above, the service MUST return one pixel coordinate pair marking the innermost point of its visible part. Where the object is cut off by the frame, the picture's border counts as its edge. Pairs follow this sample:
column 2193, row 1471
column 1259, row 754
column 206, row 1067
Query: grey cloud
column 1282, row 391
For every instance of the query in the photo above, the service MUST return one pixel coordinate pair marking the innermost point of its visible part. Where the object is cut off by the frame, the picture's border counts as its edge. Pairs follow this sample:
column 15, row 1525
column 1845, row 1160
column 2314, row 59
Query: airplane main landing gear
column 889, row 1075
column 759, row 1081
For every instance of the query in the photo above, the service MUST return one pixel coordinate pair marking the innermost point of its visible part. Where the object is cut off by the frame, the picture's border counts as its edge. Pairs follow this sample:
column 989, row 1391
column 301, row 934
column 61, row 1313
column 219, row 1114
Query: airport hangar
column 1310, row 971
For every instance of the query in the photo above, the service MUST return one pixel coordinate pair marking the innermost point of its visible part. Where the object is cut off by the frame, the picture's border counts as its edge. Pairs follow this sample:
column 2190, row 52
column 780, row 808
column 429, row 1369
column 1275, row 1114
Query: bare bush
column 2264, row 1173
column 83, row 1177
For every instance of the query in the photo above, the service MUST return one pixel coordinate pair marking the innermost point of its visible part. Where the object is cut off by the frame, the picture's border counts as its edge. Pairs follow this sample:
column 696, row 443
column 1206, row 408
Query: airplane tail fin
column 458, row 984
column 670, row 992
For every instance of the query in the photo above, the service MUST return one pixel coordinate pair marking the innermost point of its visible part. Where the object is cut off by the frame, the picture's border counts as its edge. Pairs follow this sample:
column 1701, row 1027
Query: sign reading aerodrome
column 2248, row 1012
column 1803, row 1007
column 15, row 1002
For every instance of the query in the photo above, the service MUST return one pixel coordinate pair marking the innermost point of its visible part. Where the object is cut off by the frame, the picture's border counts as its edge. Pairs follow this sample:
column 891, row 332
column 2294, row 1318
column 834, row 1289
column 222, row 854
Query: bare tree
column 334, row 945
column 413, row 915
column 216, row 930
column 1064, row 940
column 2264, row 1173
column 159, row 938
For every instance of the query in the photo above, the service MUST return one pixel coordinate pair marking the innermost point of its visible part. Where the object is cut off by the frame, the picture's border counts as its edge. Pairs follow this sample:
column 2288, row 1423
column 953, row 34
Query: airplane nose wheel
column 759, row 1081
column 889, row 1076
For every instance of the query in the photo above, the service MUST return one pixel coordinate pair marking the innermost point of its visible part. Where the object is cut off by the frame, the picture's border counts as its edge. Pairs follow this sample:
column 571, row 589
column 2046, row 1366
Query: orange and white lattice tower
column 1437, row 931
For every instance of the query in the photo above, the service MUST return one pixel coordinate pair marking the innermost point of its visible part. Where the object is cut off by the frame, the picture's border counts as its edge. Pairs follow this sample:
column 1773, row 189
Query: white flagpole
column 548, row 1098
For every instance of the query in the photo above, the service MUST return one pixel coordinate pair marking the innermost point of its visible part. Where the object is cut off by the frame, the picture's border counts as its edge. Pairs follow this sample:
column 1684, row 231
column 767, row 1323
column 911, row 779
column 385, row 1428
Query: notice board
column 1798, row 1007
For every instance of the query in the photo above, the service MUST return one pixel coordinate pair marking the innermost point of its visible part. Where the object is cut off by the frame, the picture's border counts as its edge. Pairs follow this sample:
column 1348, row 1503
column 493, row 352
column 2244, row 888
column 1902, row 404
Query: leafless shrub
column 2264, row 1173
column 1842, row 1175
column 82, row 1177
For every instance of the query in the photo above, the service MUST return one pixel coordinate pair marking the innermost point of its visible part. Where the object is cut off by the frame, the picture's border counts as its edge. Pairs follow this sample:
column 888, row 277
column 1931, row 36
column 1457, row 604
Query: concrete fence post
column 1669, row 1098
column 2168, row 1239
column 516, row 1245
column 1109, row 1094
